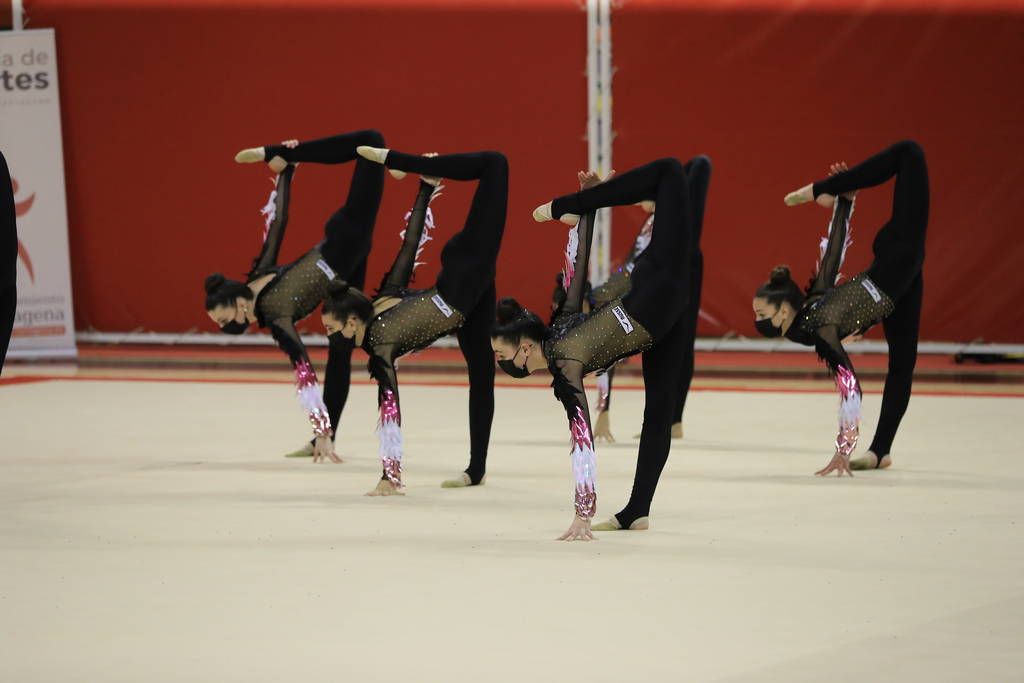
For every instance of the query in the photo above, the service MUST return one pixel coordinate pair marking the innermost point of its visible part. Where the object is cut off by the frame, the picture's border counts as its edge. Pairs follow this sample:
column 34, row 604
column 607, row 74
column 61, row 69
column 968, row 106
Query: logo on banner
column 20, row 209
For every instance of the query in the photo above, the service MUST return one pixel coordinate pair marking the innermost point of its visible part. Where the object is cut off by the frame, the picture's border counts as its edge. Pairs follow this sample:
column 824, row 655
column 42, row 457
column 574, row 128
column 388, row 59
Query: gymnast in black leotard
column 650, row 319
column 277, row 297
column 698, row 177
column 889, row 291
column 398, row 321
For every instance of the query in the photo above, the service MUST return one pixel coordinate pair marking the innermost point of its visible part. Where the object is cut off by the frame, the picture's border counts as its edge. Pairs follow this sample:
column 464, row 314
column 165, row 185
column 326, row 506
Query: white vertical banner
column 30, row 137
column 599, row 125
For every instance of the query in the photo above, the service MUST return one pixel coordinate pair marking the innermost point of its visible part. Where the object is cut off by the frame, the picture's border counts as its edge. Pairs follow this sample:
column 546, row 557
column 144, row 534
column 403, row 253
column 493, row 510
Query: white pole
column 599, row 124
column 17, row 15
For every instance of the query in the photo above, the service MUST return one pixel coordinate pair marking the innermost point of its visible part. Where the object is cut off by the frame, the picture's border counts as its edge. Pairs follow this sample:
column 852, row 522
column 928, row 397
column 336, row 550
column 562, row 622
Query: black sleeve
column 288, row 340
column 830, row 349
column 833, row 248
column 276, row 212
column 577, row 262
column 337, row 377
column 400, row 274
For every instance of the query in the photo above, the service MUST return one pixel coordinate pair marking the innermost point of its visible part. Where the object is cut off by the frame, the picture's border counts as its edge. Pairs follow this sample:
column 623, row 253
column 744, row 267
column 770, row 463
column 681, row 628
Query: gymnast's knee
column 670, row 166
column 371, row 137
column 700, row 165
column 910, row 149
column 496, row 161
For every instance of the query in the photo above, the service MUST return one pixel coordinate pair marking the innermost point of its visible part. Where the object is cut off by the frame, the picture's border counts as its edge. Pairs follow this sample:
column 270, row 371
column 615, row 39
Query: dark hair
column 222, row 292
column 343, row 301
column 781, row 287
column 512, row 322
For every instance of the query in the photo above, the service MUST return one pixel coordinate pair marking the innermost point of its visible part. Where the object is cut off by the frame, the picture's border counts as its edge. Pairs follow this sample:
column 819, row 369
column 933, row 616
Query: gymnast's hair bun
column 508, row 309
column 780, row 276
column 337, row 288
column 214, row 282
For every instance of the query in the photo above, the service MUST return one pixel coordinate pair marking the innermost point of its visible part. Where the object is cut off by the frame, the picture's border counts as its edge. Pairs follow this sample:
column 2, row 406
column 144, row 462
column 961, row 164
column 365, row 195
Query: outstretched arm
column 831, row 350
column 568, row 387
column 577, row 262
column 389, row 425
column 307, row 387
column 275, row 214
column 577, row 250
column 419, row 223
column 833, row 247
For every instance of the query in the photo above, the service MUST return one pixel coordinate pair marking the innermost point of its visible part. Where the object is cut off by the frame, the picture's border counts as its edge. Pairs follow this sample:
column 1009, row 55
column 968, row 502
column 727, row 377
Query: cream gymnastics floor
column 151, row 531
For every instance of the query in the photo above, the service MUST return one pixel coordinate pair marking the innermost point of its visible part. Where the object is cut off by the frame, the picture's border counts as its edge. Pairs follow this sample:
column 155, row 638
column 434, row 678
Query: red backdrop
column 158, row 95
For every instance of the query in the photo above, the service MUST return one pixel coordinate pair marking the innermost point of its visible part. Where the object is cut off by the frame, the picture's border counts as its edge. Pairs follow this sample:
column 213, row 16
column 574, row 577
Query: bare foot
column 304, row 452
column 386, row 488
column 612, row 524
column 870, row 462
column 461, row 481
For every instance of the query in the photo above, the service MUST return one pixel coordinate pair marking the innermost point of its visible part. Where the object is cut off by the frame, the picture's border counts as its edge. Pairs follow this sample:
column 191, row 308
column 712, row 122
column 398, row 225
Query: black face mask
column 766, row 328
column 234, row 327
column 510, row 368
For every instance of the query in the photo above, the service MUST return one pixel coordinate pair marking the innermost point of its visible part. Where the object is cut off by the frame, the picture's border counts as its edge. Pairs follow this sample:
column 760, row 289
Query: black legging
column 348, row 236
column 8, row 259
column 466, row 280
column 897, row 268
column 658, row 295
column 662, row 298
column 698, row 176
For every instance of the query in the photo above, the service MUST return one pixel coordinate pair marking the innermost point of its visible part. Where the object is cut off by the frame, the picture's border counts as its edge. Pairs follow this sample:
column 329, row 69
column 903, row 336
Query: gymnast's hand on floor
column 579, row 531
column 840, row 464
column 323, row 448
column 602, row 428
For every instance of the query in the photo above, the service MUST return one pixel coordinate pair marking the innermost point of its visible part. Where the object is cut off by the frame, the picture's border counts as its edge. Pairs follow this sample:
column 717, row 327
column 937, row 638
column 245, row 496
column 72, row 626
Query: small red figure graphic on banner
column 20, row 209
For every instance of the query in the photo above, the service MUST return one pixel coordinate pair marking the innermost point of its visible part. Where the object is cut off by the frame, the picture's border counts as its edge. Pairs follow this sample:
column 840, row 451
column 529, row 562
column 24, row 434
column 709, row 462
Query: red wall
column 157, row 97
column 774, row 97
